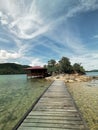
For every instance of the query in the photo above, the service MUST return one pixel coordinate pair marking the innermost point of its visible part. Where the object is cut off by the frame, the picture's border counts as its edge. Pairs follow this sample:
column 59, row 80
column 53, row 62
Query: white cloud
column 38, row 32
column 5, row 55
column 75, row 43
column 22, row 21
column 3, row 18
column 22, row 48
column 83, row 6
column 36, row 62
column 69, row 41
column 89, row 4
column 0, row 14
column 26, row 22
column 10, row 8
column 4, row 22
column 88, row 60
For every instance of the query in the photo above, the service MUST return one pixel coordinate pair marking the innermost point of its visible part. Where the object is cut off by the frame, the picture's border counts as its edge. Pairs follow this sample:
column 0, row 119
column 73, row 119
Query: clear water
column 94, row 82
column 92, row 73
column 17, row 94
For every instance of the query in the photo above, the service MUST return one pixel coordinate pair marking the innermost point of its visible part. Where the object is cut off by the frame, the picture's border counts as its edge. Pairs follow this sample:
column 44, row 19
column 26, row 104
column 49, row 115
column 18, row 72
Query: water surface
column 92, row 73
column 17, row 93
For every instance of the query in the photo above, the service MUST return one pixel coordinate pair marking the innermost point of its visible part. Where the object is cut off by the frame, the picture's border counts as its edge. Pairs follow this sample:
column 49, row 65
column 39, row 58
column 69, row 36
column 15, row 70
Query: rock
column 70, row 78
column 70, row 81
column 78, row 80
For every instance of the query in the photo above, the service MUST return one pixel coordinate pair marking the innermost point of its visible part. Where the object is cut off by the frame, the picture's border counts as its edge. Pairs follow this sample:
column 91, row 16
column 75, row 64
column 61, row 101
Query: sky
column 35, row 31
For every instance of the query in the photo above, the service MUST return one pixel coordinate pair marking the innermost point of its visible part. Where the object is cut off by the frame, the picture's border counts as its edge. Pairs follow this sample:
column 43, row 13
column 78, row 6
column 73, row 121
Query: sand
column 85, row 95
column 70, row 78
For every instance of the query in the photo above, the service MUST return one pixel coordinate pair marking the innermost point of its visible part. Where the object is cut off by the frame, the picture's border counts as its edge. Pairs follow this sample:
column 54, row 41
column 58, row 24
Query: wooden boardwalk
column 54, row 111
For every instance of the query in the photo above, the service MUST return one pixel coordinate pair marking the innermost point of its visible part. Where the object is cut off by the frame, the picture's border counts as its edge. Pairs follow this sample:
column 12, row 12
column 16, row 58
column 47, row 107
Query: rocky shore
column 71, row 78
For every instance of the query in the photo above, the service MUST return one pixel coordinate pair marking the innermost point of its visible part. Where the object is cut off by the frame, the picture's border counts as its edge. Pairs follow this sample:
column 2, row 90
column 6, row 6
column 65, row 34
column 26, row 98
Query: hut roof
column 35, row 67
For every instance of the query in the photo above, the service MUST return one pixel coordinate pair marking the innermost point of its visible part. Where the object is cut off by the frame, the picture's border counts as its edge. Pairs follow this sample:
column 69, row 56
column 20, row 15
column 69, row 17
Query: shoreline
column 70, row 78
column 84, row 91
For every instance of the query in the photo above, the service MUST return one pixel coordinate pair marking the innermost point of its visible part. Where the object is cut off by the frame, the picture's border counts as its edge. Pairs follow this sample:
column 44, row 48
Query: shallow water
column 92, row 73
column 94, row 82
column 17, row 93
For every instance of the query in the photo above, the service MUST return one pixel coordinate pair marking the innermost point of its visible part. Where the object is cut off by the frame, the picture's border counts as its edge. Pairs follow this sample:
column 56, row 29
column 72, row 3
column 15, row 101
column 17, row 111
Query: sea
column 94, row 82
column 17, row 94
column 92, row 73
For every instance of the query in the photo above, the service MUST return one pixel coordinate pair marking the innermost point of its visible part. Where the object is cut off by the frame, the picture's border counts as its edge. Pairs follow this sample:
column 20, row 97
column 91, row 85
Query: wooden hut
column 36, row 71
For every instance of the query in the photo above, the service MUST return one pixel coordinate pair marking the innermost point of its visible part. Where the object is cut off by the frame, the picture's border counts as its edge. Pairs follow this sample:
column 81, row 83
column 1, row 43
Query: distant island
column 62, row 66
column 92, row 71
column 12, row 68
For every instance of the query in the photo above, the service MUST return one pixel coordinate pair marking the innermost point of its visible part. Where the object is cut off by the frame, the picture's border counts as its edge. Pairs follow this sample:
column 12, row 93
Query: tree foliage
column 78, row 68
column 64, row 66
column 51, row 66
column 12, row 68
column 51, row 63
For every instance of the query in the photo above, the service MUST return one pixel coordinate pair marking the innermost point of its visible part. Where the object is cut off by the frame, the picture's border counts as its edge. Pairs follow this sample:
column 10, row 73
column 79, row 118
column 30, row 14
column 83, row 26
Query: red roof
column 35, row 67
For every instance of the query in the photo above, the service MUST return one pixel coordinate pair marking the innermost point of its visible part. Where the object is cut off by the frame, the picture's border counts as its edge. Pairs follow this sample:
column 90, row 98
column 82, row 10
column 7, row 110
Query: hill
column 92, row 71
column 12, row 68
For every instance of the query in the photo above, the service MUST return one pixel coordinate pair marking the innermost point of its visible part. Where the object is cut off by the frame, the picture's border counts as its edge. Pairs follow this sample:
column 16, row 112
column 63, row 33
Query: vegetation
column 64, row 66
column 86, row 98
column 78, row 68
column 52, row 66
column 12, row 68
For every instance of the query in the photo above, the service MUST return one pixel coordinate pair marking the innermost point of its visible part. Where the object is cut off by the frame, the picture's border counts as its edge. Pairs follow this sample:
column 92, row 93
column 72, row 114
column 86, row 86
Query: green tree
column 78, row 68
column 51, row 66
column 12, row 68
column 65, row 65
column 51, row 62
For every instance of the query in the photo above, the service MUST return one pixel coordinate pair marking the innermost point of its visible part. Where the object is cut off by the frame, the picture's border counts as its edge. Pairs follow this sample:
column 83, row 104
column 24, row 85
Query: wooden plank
column 54, row 111
column 57, row 110
column 48, row 125
column 54, row 121
column 39, row 113
column 37, row 128
column 71, row 118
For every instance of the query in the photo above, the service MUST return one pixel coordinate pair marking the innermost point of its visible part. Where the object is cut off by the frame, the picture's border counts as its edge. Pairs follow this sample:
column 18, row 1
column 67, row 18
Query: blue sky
column 35, row 31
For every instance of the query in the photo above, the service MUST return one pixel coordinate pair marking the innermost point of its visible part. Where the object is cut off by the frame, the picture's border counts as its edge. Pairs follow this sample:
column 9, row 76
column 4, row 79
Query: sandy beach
column 85, row 95
column 70, row 78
